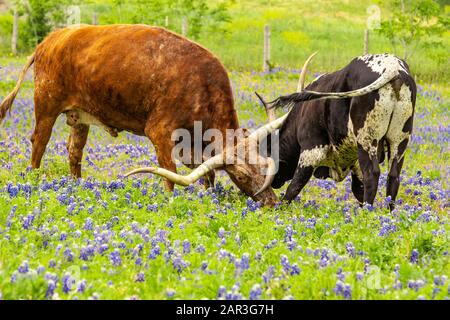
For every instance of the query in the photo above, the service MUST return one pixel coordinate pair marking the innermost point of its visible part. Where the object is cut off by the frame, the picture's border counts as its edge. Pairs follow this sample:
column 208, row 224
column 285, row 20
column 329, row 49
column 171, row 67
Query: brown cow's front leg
column 77, row 141
column 161, row 139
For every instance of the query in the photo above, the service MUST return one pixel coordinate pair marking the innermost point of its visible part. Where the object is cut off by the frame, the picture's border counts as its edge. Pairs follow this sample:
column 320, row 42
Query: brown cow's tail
column 6, row 104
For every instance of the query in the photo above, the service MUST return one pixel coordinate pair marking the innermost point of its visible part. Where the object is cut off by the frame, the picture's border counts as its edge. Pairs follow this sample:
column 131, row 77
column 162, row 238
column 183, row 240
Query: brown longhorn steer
column 145, row 80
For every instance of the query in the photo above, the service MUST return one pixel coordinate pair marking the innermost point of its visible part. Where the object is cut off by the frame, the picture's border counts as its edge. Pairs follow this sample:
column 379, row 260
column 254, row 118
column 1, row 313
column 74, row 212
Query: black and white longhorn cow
column 343, row 122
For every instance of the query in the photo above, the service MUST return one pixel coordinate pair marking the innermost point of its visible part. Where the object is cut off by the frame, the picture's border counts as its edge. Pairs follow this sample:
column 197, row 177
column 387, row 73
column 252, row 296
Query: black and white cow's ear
column 269, row 111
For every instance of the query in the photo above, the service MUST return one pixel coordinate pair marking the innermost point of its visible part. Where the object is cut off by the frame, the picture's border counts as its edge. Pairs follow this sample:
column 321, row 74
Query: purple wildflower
column 414, row 256
column 114, row 257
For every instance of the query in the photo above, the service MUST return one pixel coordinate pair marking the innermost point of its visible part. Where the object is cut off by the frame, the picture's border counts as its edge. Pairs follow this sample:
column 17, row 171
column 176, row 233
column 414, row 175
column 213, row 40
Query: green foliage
column 201, row 15
column 41, row 17
column 413, row 23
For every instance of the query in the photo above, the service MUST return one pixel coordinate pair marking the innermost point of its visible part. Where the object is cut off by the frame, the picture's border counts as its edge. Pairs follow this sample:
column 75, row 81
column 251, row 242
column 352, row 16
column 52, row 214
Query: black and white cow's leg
column 396, row 157
column 301, row 178
column 393, row 181
column 357, row 188
column 398, row 136
column 368, row 162
column 310, row 158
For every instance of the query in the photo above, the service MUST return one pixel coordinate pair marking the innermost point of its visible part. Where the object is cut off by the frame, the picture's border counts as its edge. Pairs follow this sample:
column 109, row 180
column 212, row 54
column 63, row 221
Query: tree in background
column 200, row 15
column 414, row 23
column 41, row 15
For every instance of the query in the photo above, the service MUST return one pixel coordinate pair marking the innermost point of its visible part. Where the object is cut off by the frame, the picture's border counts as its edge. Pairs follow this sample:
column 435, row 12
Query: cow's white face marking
column 383, row 62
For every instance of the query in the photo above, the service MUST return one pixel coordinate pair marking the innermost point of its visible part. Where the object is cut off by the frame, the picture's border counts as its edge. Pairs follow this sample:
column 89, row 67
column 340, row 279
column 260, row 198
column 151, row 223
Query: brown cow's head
column 250, row 171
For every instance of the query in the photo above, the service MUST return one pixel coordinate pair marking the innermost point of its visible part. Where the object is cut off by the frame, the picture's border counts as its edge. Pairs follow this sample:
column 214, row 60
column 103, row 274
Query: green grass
column 333, row 28
column 325, row 217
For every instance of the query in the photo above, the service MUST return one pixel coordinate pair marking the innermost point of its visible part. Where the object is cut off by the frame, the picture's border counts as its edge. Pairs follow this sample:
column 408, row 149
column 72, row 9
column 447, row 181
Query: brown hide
column 145, row 80
column 131, row 76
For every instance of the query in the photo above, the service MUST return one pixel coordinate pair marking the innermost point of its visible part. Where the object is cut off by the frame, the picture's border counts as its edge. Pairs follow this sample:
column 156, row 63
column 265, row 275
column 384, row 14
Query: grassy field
column 105, row 237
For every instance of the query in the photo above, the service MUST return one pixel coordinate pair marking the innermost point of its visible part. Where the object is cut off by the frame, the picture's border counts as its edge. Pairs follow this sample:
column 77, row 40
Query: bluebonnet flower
column 114, row 257
column 350, row 249
column 51, row 264
column 258, row 256
column 51, row 286
column 89, row 224
column 13, row 278
column 245, row 261
column 28, row 221
column 268, row 275
column 170, row 293
column 140, row 277
column 414, row 256
column 237, row 238
column 81, row 287
column 178, row 263
column 359, row 276
column 343, row 289
column 102, row 248
column 340, row 274
column 221, row 293
column 347, row 292
column 12, row 190
column 154, row 252
column 255, row 292
column 24, row 267
column 440, row 280
column 285, row 263
column 68, row 254
column 67, row 282
column 289, row 232
column 40, row 269
column 295, row 269
column 221, row 232
column 186, row 246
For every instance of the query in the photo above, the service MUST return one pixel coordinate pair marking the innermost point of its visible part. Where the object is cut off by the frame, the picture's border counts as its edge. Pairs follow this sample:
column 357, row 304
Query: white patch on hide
column 377, row 120
column 75, row 117
column 402, row 112
column 380, row 63
column 313, row 157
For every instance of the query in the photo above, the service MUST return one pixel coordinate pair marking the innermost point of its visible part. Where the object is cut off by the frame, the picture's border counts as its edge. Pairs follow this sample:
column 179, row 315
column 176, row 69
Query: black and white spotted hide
column 336, row 128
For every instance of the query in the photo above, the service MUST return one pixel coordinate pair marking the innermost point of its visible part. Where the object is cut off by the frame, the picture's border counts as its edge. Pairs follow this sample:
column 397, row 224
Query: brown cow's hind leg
column 40, row 138
column 77, row 141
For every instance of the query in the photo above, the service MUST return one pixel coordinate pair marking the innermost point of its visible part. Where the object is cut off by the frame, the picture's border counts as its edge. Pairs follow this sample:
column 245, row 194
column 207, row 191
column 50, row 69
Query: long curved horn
column 302, row 78
column 267, row 129
column 207, row 166
column 270, row 175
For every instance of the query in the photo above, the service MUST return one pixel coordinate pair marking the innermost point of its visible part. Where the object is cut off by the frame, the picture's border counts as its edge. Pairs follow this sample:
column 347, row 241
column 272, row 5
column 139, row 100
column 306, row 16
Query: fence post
column 167, row 22
column 94, row 18
column 184, row 26
column 266, row 66
column 366, row 41
column 15, row 31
